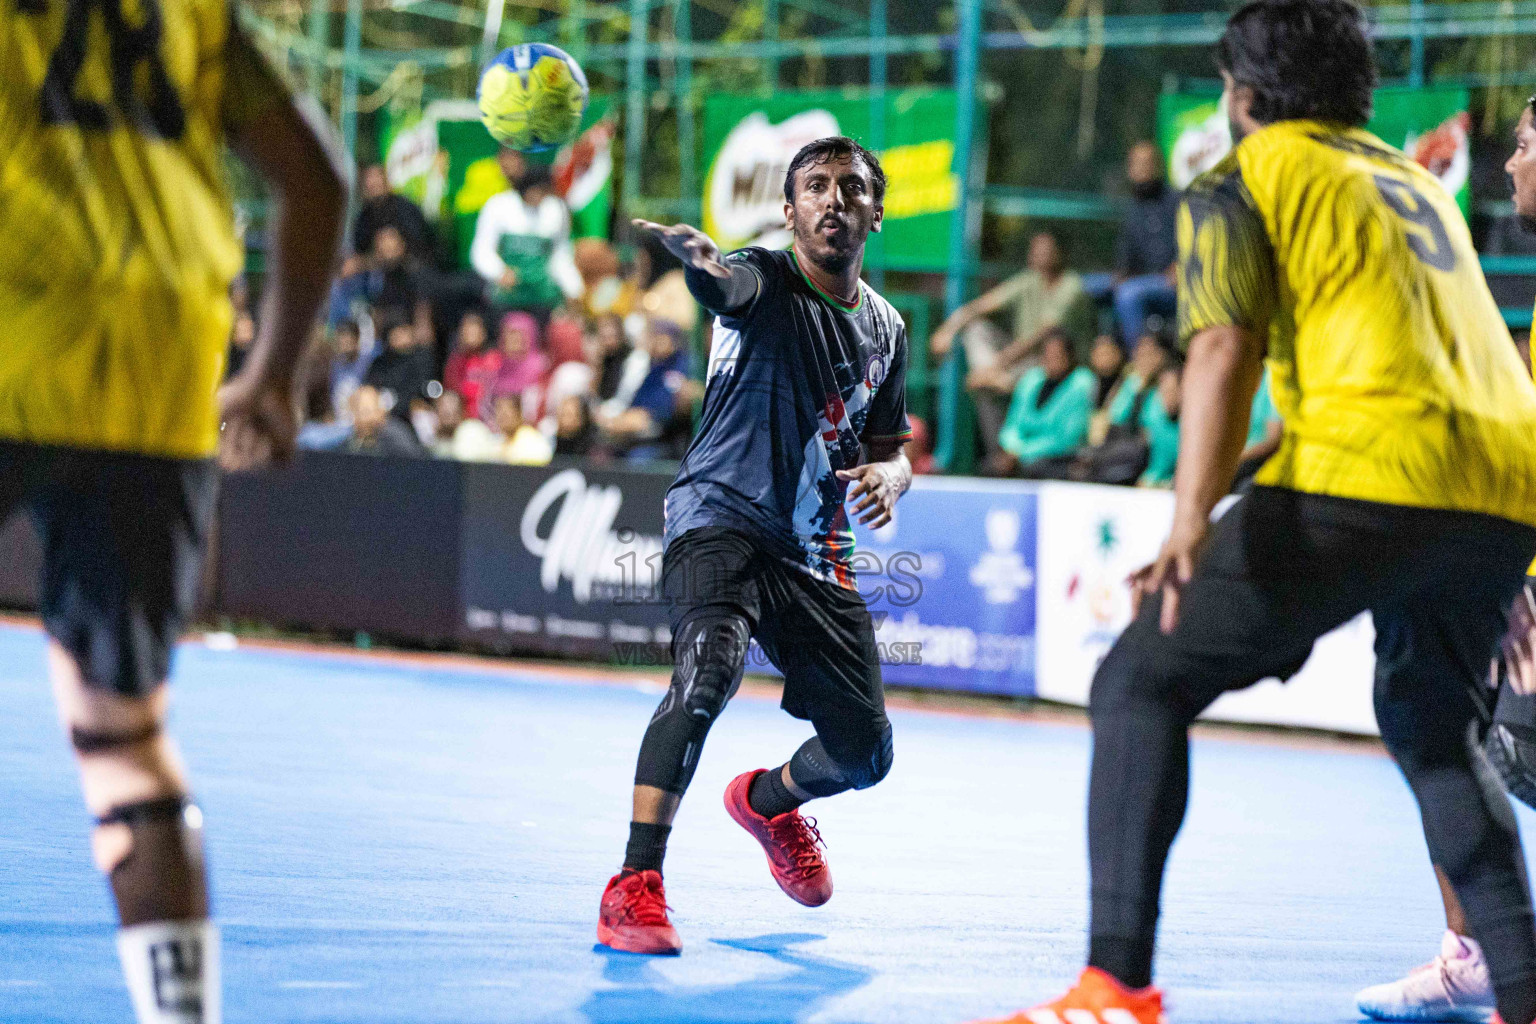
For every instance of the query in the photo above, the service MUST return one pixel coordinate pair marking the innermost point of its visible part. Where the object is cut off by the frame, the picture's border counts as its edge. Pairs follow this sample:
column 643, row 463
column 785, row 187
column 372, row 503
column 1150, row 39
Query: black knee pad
column 862, row 756
column 709, row 652
column 162, row 878
column 709, row 655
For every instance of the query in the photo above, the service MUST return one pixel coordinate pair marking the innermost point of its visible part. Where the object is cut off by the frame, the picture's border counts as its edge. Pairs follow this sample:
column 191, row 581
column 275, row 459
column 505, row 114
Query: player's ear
column 879, row 218
column 789, row 216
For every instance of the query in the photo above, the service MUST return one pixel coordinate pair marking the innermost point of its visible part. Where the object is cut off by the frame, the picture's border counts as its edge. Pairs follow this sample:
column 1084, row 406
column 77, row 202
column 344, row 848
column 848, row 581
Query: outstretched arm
column 716, row 285
column 289, row 144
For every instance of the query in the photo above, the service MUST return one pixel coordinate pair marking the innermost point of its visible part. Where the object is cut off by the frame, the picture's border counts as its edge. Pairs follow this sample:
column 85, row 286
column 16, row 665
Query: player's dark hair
column 834, row 147
column 1302, row 59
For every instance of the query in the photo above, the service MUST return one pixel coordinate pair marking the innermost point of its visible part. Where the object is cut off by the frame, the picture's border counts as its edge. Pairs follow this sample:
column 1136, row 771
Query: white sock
column 172, row 969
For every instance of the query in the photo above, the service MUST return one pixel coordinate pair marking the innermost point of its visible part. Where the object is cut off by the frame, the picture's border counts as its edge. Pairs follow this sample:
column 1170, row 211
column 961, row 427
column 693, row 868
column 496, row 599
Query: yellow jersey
column 1389, row 361
column 117, row 236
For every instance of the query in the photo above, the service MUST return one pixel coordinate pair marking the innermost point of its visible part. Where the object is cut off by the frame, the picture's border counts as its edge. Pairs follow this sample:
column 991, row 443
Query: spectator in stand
column 663, row 293
column 1119, row 449
column 1147, row 361
column 1048, row 420
column 461, row 437
column 618, row 367
column 322, row 429
column 521, row 443
column 1043, row 297
column 659, row 421
column 375, row 431
column 605, row 290
column 383, row 208
column 473, row 365
column 1147, row 247
column 575, row 431
column 524, row 368
column 1107, row 361
column 563, row 341
column 350, row 360
column 1160, row 420
column 401, row 372
column 522, row 245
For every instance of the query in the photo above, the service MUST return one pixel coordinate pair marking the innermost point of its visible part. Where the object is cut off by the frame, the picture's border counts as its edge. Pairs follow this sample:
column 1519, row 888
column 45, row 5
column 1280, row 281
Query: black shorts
column 123, row 537
column 817, row 633
column 1283, row 568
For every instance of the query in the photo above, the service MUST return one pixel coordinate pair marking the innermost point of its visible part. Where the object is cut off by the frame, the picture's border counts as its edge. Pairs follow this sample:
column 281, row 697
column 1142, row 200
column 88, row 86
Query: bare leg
column 1455, row 917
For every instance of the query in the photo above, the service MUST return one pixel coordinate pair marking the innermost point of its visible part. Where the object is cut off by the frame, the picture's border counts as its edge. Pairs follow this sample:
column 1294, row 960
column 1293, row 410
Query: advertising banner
column 1430, row 125
column 750, row 140
column 950, row 583
column 1090, row 539
column 564, row 561
column 444, row 159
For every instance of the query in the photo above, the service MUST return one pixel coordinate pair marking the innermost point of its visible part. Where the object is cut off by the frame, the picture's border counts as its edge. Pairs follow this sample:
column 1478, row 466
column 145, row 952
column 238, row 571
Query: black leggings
column 1282, row 569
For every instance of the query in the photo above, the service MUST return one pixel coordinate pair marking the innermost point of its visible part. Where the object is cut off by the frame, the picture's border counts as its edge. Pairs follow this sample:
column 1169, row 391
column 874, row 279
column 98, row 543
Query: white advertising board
column 1090, row 539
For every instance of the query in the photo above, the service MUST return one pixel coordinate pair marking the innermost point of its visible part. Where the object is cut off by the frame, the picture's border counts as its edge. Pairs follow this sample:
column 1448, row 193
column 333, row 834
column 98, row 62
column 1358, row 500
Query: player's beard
column 832, row 258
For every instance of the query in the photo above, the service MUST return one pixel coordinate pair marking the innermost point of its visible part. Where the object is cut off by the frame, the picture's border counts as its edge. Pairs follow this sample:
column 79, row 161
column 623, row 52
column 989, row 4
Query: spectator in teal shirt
column 1048, row 419
column 1160, row 421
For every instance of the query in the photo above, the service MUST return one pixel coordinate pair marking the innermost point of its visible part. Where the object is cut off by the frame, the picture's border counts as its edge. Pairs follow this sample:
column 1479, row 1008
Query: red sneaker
column 633, row 915
column 790, row 841
column 1097, row 998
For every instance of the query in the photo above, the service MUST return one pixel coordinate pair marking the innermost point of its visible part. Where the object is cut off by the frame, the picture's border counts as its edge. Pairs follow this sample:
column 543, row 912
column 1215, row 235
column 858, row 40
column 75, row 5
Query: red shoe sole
column 734, row 807
column 608, row 937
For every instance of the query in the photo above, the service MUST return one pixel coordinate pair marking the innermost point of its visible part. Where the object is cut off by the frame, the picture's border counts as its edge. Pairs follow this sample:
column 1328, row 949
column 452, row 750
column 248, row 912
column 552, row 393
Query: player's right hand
column 689, row 244
column 258, row 423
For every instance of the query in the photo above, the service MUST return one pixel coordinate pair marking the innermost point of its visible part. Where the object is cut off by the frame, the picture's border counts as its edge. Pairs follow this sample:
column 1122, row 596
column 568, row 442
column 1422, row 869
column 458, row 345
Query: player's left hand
column 1519, row 644
column 880, row 485
column 258, row 423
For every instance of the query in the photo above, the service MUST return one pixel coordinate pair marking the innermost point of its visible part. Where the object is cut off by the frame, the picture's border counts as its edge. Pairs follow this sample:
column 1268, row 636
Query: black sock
column 1128, row 960
column 647, row 846
column 769, row 796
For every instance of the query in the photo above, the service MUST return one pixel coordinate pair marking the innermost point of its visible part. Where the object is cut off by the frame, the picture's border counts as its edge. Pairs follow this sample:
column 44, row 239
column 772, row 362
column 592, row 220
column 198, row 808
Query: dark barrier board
column 563, row 560
column 347, row 542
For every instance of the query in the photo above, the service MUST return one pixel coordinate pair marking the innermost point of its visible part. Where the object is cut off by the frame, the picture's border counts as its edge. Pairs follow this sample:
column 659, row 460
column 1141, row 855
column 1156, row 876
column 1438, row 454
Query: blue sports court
column 419, row 841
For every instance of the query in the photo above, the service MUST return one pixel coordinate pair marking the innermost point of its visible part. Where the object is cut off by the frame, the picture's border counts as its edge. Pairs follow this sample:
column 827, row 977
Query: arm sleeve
column 887, row 420
column 728, row 296
column 482, row 251
column 1226, row 264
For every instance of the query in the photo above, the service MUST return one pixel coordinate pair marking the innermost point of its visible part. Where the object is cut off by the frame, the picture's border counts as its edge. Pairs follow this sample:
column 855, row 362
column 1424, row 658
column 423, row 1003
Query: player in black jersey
column 805, row 396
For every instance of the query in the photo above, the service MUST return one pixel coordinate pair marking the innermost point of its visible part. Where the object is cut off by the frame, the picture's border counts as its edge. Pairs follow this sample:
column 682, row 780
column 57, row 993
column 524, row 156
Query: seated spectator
column 575, row 431
column 1119, row 450
column 522, row 246
column 1048, row 419
column 1107, row 361
column 1138, row 381
column 460, row 437
column 1044, row 296
column 1147, row 246
column 382, row 208
column 322, row 429
column 402, row 370
column 605, row 289
column 521, row 443
column 524, row 367
column 618, row 367
column 659, row 420
column 388, row 278
column 375, row 431
column 350, row 360
column 563, row 342
column 472, row 366
column 1160, row 420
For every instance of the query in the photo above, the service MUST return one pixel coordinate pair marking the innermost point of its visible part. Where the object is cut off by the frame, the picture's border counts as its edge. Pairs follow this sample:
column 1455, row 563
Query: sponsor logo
column 568, row 526
column 1001, row 572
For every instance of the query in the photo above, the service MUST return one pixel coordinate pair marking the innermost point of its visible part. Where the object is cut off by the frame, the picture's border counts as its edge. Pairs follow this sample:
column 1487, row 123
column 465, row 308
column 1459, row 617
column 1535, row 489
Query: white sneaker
column 1454, row 986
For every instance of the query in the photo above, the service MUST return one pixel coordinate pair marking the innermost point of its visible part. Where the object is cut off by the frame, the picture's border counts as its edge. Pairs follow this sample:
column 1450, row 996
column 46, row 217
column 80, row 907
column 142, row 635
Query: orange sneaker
column 790, row 841
column 633, row 915
column 1097, row 998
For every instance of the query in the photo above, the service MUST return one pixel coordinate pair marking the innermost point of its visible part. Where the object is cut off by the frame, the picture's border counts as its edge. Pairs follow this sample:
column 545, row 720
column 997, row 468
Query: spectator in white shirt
column 522, row 245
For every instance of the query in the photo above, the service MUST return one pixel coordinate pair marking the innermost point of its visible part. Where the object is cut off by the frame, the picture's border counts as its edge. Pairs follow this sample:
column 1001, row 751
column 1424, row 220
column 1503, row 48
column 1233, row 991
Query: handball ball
column 532, row 97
